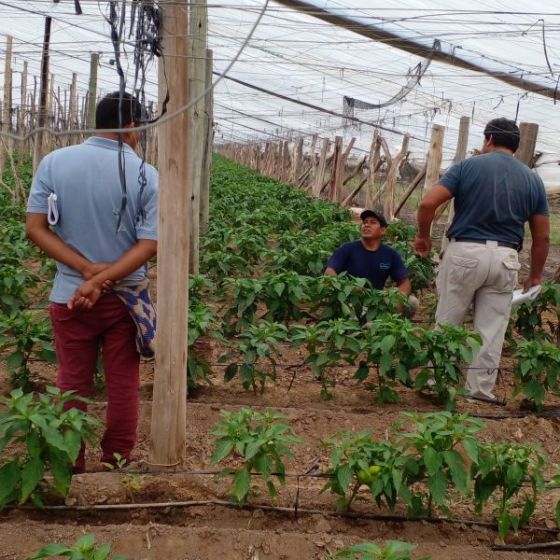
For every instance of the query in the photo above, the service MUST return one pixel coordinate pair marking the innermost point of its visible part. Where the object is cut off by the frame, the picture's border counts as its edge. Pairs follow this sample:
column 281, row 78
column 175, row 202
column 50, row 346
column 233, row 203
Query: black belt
column 510, row 245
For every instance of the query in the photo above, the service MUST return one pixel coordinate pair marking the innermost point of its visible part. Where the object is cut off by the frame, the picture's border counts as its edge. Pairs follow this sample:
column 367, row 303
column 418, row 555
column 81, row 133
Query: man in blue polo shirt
column 494, row 196
column 369, row 258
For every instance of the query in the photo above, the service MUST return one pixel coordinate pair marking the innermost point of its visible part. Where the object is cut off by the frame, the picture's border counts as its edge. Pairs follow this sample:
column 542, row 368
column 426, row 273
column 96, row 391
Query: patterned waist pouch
column 135, row 294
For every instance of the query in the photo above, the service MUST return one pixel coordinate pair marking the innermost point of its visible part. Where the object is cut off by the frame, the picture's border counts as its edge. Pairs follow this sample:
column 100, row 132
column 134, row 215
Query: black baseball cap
column 372, row 214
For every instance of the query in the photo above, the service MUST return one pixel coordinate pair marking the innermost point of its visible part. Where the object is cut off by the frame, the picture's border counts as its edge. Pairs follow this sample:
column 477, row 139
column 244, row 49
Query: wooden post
column 373, row 162
column 198, row 31
column 22, row 112
column 460, row 153
column 208, row 144
column 72, row 117
column 296, row 160
column 168, row 430
column 44, row 91
column 336, row 162
column 528, row 141
column 462, row 140
column 389, row 206
column 6, row 143
column 92, row 90
column 415, row 182
column 319, row 178
column 435, row 152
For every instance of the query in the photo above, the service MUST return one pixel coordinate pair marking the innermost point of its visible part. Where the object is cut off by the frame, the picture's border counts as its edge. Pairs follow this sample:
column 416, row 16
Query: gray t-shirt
column 85, row 179
column 494, row 195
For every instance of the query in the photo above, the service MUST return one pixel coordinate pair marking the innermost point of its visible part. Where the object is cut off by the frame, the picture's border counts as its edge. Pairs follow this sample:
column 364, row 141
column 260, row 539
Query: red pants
column 78, row 337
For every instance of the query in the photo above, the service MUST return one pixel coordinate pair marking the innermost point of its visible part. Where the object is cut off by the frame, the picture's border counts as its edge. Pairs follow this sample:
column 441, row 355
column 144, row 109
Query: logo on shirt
column 385, row 266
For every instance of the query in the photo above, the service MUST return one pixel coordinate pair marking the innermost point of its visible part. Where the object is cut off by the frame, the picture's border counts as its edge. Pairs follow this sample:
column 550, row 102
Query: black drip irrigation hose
column 296, row 511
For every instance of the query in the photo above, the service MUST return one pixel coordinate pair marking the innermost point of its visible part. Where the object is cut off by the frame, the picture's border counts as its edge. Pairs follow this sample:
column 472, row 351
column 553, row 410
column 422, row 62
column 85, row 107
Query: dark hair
column 107, row 111
column 504, row 132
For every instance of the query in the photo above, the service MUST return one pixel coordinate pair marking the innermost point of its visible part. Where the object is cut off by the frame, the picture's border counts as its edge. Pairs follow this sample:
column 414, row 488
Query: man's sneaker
column 473, row 399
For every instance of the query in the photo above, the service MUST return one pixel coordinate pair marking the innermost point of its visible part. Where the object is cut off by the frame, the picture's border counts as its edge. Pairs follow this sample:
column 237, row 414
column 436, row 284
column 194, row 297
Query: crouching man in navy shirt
column 369, row 258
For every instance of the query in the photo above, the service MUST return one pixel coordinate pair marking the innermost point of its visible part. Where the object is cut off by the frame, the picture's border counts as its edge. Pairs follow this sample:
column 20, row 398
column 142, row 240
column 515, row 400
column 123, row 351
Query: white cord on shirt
column 52, row 214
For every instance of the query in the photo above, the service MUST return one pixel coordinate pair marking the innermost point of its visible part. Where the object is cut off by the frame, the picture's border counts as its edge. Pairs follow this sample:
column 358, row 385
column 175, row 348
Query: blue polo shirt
column 85, row 179
column 375, row 266
column 494, row 195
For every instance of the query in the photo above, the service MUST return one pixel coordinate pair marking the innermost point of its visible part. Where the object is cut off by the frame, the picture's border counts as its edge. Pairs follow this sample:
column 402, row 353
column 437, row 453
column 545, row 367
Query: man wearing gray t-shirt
column 102, row 202
column 494, row 196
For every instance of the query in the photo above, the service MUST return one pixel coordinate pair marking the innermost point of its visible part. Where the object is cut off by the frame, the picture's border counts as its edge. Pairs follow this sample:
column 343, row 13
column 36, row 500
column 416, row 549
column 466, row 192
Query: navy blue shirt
column 494, row 195
column 376, row 266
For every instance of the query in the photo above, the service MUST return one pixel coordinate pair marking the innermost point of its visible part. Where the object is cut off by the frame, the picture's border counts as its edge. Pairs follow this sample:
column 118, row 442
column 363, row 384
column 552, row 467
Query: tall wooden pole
column 72, row 117
column 21, row 114
column 5, row 143
column 209, row 143
column 198, row 27
column 168, row 430
column 435, row 154
column 460, row 154
column 528, row 142
column 43, row 96
column 92, row 90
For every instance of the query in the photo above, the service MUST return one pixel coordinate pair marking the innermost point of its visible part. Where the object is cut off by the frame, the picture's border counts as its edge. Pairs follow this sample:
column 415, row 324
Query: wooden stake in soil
column 168, row 430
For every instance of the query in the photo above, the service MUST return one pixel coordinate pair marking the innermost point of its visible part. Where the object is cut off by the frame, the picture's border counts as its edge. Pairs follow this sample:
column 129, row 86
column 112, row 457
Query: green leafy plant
column 437, row 441
column 25, row 334
column 394, row 345
column 329, row 344
column 357, row 460
column 392, row 550
column 84, row 549
column 241, row 314
column 132, row 482
column 47, row 439
column 448, row 349
column 259, row 443
column 284, row 296
column 202, row 325
column 538, row 319
column 14, row 283
column 537, row 370
column 256, row 343
column 505, row 468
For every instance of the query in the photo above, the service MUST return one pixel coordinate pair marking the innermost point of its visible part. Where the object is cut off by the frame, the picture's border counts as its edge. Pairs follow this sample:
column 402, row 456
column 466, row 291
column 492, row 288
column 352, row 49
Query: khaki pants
column 484, row 275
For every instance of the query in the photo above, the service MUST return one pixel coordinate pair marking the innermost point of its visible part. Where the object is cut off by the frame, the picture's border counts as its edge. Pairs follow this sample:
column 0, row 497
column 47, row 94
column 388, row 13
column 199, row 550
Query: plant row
column 426, row 462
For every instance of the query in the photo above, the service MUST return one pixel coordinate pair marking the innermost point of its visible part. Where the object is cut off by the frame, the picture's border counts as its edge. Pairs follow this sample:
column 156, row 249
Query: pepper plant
column 25, row 334
column 259, row 443
column 201, row 323
column 358, row 460
column 537, row 370
column 448, row 349
column 284, row 296
column 392, row 550
column 48, row 439
column 505, row 468
column 394, row 345
column 241, row 314
column 328, row 345
column 435, row 441
column 530, row 319
column 256, row 343
column 83, row 549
